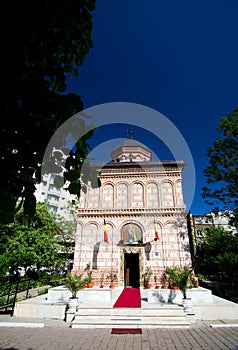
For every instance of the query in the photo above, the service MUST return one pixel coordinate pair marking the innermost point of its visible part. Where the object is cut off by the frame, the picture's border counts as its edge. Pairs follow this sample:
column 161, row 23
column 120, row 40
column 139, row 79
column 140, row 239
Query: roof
column 131, row 143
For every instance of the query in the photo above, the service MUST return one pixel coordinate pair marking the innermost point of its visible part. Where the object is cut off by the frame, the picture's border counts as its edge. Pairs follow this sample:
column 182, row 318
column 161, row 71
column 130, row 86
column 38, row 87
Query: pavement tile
column 57, row 335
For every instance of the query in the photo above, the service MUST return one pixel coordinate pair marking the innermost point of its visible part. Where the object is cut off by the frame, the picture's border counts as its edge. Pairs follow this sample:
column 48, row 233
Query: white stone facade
column 136, row 195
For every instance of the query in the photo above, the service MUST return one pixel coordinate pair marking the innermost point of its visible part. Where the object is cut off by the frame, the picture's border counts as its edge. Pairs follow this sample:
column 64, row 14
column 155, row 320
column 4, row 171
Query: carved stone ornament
column 128, row 249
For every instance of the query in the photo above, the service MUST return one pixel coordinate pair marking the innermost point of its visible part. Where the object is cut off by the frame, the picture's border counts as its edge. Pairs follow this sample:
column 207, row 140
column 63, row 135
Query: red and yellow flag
column 105, row 232
column 156, row 231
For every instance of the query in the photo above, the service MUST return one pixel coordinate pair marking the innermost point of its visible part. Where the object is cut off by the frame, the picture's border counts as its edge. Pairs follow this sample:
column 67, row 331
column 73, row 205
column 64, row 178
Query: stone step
column 130, row 320
column 128, row 312
column 172, row 316
column 128, row 317
column 114, row 325
column 136, row 323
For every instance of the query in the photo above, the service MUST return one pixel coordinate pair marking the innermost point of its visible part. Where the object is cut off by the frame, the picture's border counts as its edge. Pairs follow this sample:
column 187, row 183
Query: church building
column 134, row 220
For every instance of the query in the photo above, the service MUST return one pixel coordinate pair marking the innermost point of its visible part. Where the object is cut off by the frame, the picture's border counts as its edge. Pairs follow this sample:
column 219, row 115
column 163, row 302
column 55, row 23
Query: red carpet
column 126, row 331
column 130, row 297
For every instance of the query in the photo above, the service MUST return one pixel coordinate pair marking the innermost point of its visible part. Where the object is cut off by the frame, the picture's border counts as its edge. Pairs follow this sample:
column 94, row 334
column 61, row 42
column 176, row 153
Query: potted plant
column 74, row 283
column 156, row 280
column 164, row 280
column 89, row 272
column 102, row 280
column 112, row 276
column 175, row 287
column 147, row 276
column 180, row 276
column 195, row 282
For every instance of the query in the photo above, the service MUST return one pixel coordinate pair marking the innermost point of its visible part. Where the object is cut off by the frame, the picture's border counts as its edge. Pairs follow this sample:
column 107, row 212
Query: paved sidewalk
column 56, row 335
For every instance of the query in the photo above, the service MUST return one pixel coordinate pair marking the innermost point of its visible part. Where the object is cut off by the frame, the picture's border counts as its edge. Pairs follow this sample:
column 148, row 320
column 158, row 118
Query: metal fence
column 9, row 291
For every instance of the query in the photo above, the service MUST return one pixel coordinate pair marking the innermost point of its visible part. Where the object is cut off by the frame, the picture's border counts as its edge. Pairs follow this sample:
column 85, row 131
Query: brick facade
column 136, row 195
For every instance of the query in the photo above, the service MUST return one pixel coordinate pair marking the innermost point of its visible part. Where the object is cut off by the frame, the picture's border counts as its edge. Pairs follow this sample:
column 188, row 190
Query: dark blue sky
column 177, row 57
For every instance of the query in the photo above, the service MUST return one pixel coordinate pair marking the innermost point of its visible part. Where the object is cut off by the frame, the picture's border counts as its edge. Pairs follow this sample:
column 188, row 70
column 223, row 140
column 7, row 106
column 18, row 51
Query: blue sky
column 179, row 58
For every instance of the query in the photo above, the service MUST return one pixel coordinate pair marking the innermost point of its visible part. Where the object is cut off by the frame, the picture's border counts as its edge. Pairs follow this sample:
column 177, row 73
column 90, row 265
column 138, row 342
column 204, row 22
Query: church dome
column 131, row 151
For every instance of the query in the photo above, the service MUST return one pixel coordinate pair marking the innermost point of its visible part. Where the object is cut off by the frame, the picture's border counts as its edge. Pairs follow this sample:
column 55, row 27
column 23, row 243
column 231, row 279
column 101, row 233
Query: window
column 152, row 195
column 199, row 233
column 167, row 194
column 54, row 209
column 52, row 197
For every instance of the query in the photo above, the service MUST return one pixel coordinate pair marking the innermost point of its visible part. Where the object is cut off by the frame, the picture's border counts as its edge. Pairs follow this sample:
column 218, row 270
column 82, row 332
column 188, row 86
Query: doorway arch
column 132, row 266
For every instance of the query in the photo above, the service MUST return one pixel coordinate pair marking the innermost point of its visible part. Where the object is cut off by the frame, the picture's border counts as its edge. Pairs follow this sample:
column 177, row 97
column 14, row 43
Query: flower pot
column 157, row 287
column 112, row 286
column 175, row 288
column 148, row 286
column 101, row 286
column 163, row 287
column 90, row 285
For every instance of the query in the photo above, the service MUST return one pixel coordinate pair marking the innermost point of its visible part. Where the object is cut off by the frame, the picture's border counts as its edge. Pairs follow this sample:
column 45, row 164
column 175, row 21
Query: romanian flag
column 105, row 232
column 156, row 231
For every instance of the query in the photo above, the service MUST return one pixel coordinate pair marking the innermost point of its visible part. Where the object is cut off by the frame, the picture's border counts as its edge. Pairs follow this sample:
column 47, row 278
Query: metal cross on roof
column 131, row 132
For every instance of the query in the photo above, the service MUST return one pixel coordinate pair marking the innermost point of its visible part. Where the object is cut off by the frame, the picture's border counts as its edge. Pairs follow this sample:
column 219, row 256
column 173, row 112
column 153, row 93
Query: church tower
column 135, row 219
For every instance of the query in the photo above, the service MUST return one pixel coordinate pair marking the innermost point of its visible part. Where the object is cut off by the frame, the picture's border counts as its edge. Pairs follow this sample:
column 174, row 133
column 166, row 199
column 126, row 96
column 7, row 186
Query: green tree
column 42, row 44
column 222, row 173
column 67, row 223
column 220, row 255
column 33, row 243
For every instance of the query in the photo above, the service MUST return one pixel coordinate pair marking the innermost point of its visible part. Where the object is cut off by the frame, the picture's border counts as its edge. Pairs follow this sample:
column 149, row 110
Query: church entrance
column 131, row 270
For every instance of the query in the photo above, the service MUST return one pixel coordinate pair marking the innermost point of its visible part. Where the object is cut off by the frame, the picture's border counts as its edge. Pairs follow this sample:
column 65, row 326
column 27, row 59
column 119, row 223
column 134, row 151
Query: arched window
column 167, row 194
column 107, row 196
column 179, row 193
column 89, row 235
column 152, row 195
column 137, row 195
column 93, row 198
column 122, row 196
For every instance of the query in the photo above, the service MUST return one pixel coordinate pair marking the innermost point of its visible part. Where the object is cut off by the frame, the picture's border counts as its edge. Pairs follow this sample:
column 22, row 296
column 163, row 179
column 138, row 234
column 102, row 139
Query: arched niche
column 132, row 233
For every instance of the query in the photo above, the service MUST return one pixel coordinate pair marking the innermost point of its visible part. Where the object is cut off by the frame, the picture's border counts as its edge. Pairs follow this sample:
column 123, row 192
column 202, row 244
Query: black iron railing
column 9, row 291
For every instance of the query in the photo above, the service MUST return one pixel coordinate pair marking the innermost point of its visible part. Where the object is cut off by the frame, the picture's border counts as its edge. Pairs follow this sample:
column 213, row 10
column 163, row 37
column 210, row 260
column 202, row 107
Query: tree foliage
column 220, row 255
column 42, row 44
column 223, row 169
column 67, row 224
column 34, row 243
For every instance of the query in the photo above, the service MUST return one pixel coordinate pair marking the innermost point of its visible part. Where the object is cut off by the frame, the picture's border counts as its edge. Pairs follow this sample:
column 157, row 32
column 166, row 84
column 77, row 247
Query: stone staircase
column 149, row 317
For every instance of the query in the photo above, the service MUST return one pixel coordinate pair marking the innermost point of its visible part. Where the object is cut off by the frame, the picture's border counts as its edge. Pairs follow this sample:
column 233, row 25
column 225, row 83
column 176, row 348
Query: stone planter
column 72, row 304
column 187, row 304
column 158, row 295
